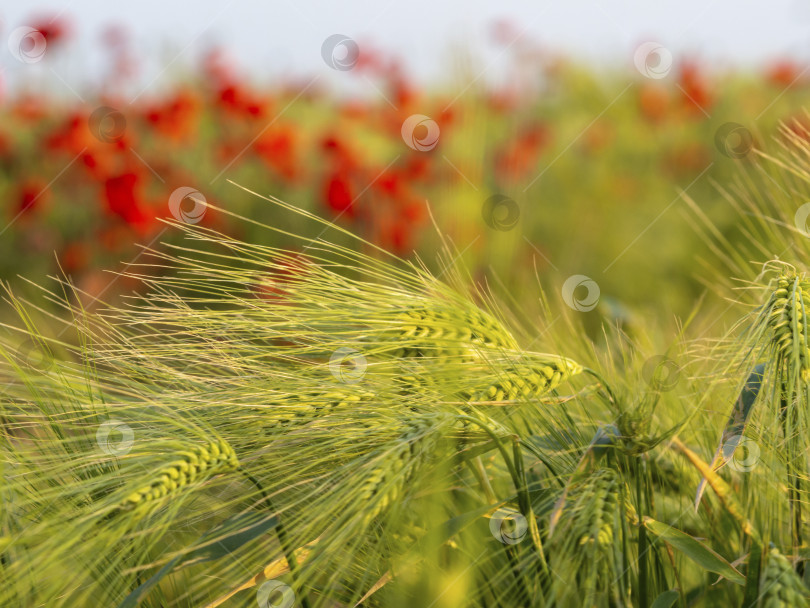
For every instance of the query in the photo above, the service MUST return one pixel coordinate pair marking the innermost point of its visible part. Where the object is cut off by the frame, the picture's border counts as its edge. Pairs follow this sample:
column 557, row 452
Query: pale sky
column 285, row 36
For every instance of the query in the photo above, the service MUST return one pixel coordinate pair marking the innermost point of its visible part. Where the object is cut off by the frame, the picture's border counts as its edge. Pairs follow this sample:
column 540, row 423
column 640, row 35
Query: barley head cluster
column 787, row 312
column 780, row 585
column 193, row 464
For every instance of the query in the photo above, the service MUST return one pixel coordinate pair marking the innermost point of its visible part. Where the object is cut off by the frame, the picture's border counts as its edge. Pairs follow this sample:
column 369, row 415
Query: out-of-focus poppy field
column 559, row 170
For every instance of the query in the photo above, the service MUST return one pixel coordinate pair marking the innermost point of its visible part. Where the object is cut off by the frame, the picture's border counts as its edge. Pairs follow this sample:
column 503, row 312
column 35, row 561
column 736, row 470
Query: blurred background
column 551, row 141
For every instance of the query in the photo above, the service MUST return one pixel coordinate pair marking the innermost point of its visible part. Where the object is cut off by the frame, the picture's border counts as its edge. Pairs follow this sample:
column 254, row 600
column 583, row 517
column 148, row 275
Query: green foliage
column 360, row 430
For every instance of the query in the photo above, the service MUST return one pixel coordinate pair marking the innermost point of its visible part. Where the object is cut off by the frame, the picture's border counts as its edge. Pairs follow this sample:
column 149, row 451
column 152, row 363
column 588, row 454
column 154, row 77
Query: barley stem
column 281, row 534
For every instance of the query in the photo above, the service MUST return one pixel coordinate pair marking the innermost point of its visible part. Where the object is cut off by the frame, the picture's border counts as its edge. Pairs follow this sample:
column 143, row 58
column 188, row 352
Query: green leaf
column 477, row 450
column 218, row 542
column 666, row 600
column 752, row 579
column 453, row 526
column 721, row 489
column 694, row 550
column 735, row 425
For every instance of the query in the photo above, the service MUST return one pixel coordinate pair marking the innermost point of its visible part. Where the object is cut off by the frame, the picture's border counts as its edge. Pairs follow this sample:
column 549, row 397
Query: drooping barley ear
column 786, row 312
column 452, row 332
column 780, row 585
column 599, row 503
column 302, row 408
column 586, row 541
column 397, row 465
column 526, row 380
column 192, row 465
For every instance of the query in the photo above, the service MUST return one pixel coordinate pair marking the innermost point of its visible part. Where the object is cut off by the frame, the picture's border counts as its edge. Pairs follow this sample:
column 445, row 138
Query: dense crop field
column 536, row 344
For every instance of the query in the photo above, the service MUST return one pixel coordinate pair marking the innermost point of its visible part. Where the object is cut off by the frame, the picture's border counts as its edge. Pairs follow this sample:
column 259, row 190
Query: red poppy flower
column 277, row 149
column 653, row 102
column 32, row 194
column 697, row 99
column 74, row 257
column 339, row 193
column 783, row 73
column 177, row 117
column 123, row 198
column 236, row 99
column 54, row 30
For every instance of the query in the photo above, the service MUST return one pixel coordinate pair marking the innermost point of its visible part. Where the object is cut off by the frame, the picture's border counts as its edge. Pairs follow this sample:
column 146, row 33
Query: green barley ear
column 396, row 465
column 192, row 465
column 599, row 497
column 786, row 313
column 780, row 585
column 589, row 536
column 301, row 408
column 525, row 380
column 446, row 330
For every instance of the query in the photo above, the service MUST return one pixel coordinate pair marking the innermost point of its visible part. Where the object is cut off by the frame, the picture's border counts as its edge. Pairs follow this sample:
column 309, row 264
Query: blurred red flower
column 277, row 148
column 177, row 117
column 697, row 100
column 122, row 195
column 653, row 101
column 74, row 257
column 55, row 30
column 237, row 99
column 784, row 73
column 519, row 157
column 32, row 194
column 339, row 193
